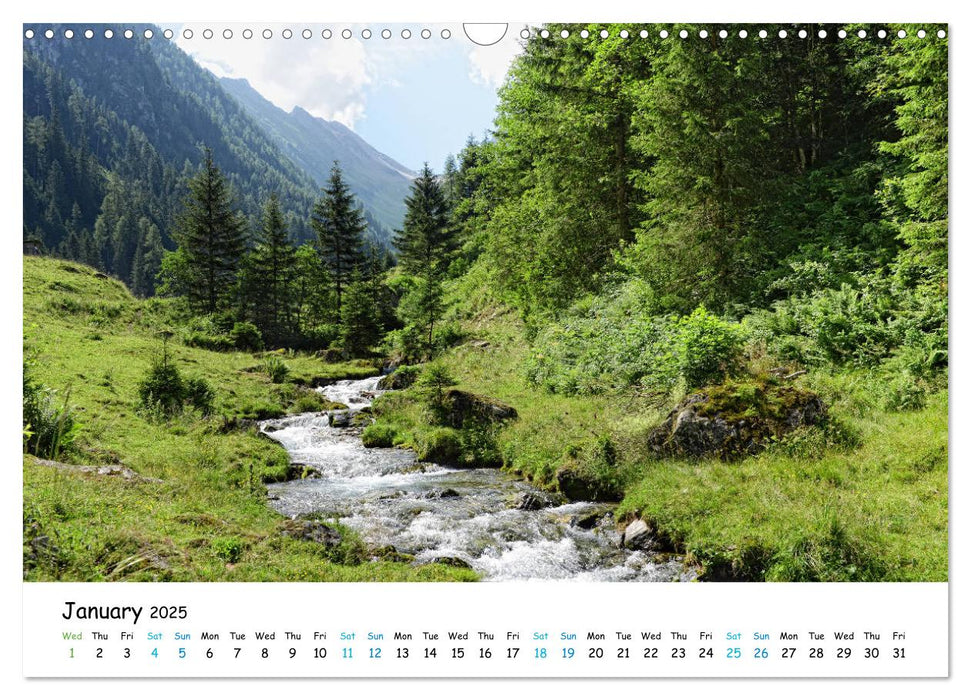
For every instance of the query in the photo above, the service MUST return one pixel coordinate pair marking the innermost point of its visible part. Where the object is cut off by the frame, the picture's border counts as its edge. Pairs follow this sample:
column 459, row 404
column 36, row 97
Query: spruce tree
column 339, row 225
column 211, row 237
column 270, row 270
column 148, row 259
column 360, row 329
column 425, row 244
column 426, row 239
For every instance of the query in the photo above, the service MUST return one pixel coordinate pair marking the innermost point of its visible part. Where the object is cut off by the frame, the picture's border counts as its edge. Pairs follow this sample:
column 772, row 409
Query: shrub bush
column 203, row 332
column 903, row 392
column 229, row 549
column 164, row 392
column 707, row 348
column 441, row 445
column 379, row 435
column 311, row 402
column 162, row 389
column 615, row 341
column 49, row 426
column 402, row 378
column 199, row 394
column 435, row 379
column 246, row 336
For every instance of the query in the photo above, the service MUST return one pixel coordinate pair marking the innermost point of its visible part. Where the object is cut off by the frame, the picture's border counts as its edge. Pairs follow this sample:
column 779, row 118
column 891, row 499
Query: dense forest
column 751, row 232
column 801, row 183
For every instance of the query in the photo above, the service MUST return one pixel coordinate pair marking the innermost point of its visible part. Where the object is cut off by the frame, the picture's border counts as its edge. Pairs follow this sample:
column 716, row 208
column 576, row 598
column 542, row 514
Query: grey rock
column 534, row 500
column 461, row 406
column 442, row 493
column 590, row 520
column 637, row 535
column 313, row 531
column 339, row 419
column 452, row 561
column 693, row 429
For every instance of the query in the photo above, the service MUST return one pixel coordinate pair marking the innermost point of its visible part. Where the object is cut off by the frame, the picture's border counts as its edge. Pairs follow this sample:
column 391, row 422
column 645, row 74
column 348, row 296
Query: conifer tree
column 270, row 270
column 339, row 224
column 211, row 238
column 425, row 244
column 148, row 259
column 360, row 329
column 426, row 239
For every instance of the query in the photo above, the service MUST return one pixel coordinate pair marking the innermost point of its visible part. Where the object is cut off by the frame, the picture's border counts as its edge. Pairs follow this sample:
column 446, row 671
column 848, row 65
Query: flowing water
column 433, row 512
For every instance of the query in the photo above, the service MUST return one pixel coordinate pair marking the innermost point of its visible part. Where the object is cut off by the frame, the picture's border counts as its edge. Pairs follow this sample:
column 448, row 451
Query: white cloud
column 331, row 78
column 328, row 78
column 489, row 64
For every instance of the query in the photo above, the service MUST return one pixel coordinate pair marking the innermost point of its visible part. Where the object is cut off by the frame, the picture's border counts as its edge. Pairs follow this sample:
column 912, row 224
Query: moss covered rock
column 578, row 483
column 462, row 407
column 735, row 419
column 401, row 378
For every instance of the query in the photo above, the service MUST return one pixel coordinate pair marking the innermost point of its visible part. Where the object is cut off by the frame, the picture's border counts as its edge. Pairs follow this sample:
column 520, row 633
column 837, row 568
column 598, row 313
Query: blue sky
column 414, row 99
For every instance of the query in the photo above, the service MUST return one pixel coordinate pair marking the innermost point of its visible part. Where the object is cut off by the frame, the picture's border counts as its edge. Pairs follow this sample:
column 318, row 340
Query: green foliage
column 915, row 73
column 266, row 278
column 439, row 445
column 617, row 342
column 378, row 435
column 360, row 326
column 310, row 402
column 211, row 238
column 706, row 348
column 425, row 245
column 435, row 379
column 199, row 394
column 164, row 392
column 275, row 368
column 229, row 549
column 246, row 336
column 49, row 425
column 203, row 332
column 401, row 378
column 861, row 322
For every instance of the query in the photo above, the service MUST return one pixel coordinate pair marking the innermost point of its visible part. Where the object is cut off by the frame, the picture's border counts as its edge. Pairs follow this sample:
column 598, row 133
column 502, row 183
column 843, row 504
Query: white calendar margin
column 915, row 611
column 496, row 10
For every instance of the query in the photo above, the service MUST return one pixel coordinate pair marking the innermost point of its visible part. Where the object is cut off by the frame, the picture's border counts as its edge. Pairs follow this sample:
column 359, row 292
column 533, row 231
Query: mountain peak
column 315, row 143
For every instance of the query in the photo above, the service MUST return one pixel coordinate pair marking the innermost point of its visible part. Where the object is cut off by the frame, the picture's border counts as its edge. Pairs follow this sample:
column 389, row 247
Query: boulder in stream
column 535, row 500
column 339, row 419
column 441, row 493
column 590, row 519
column 637, row 535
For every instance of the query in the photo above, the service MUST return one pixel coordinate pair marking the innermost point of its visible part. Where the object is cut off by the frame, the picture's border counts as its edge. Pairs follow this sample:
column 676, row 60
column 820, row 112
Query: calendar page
column 527, row 349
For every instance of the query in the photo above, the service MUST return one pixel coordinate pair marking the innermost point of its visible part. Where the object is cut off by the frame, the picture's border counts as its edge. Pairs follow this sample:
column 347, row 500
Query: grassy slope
column 207, row 518
column 810, row 512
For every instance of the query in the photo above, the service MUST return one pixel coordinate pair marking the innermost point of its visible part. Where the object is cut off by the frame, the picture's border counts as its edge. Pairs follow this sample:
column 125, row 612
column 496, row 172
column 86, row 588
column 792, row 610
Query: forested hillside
column 113, row 129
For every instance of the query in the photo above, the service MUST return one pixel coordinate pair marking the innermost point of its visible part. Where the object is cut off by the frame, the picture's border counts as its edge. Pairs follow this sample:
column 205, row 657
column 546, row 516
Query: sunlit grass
column 206, row 518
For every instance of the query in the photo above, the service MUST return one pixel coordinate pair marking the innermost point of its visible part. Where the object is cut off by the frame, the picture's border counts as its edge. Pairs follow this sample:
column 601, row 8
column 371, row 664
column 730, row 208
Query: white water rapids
column 432, row 512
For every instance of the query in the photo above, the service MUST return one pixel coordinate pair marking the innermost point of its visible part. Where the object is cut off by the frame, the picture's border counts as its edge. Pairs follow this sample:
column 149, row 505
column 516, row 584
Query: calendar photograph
column 485, row 303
